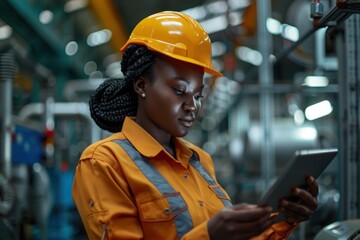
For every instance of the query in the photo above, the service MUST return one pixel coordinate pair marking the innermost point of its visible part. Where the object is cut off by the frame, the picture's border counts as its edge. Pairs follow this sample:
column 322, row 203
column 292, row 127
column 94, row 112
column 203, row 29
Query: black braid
column 115, row 99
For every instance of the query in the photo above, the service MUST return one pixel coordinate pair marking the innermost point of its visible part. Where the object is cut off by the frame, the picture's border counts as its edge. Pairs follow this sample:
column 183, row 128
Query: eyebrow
column 187, row 81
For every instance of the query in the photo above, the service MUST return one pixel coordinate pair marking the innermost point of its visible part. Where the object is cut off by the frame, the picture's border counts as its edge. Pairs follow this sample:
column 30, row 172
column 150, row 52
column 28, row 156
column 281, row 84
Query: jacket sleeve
column 277, row 231
column 104, row 202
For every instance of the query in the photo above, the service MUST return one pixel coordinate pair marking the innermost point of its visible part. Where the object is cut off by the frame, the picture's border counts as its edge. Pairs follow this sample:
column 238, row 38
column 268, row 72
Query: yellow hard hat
column 176, row 35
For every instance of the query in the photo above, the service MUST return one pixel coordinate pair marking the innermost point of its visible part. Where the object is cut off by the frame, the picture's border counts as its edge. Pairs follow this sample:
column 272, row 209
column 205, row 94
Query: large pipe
column 7, row 73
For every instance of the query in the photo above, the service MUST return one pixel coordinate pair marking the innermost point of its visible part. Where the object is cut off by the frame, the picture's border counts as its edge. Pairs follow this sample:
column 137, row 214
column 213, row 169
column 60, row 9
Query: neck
column 170, row 148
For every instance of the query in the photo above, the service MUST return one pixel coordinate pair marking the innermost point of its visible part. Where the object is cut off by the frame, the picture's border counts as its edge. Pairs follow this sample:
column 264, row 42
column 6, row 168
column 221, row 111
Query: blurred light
column 210, row 147
column 292, row 107
column 96, row 81
column 46, row 16
column 233, row 87
column 90, row 67
column 218, row 48
column 299, row 117
column 235, row 18
column 318, row 110
column 5, row 32
column 71, row 48
column 113, row 70
column 36, row 167
column 290, row 32
column 249, row 55
column 218, row 65
column 96, row 75
column 273, row 26
column 316, row 81
column 215, row 24
column 238, row 4
column 236, row 148
column 307, row 133
column 74, row 5
column 218, row 7
column 197, row 13
column 99, row 37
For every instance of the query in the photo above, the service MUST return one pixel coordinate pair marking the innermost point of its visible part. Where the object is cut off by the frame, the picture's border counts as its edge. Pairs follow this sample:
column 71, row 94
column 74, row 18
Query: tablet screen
column 304, row 163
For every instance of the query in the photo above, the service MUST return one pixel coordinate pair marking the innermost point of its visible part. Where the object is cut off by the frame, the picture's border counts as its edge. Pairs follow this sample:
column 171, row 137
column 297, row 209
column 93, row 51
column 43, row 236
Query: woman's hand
column 301, row 209
column 241, row 221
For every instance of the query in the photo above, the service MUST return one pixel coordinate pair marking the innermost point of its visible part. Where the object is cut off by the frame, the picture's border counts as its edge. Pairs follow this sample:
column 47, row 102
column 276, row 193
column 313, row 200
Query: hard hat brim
column 172, row 55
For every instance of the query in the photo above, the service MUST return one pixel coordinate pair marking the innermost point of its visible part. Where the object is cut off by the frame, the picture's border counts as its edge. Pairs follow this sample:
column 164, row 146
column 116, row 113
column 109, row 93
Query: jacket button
column 91, row 203
column 167, row 211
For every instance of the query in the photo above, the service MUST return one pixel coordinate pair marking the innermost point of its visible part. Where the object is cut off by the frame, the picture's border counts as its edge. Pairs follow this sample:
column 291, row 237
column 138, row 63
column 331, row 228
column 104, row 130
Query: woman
column 145, row 181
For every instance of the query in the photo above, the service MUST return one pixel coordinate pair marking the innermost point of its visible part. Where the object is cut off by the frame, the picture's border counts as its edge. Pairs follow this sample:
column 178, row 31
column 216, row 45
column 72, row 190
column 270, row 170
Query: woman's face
column 173, row 97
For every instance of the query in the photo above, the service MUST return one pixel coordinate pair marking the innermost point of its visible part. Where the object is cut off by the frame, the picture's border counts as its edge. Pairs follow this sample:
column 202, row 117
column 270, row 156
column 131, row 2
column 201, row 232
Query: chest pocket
column 212, row 184
column 172, row 205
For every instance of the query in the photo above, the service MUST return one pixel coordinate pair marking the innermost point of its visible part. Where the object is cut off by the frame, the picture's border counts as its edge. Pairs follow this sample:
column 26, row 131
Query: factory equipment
column 342, row 230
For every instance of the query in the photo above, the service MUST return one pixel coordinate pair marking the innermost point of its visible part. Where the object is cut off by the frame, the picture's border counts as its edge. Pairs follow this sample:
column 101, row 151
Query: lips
column 187, row 121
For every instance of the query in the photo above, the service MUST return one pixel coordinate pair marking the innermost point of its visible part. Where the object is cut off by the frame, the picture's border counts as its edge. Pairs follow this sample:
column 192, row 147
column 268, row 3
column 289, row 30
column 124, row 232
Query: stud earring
column 143, row 95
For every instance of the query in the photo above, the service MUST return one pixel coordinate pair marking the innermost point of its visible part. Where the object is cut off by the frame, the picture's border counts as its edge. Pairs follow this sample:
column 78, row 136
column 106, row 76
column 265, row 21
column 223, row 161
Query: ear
column 139, row 85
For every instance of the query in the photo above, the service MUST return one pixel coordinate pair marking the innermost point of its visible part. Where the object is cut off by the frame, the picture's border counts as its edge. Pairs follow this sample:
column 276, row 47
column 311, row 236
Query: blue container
column 26, row 146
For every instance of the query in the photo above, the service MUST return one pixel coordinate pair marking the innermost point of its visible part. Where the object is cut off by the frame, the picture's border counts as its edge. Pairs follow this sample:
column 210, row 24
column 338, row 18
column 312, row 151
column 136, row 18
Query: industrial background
column 291, row 82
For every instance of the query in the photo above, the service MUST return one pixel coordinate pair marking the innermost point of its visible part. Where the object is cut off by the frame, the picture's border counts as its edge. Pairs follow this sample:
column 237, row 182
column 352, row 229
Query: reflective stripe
column 205, row 174
column 182, row 220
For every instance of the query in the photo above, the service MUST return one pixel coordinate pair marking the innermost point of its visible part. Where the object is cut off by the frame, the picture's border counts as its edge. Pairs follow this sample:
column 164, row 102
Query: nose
column 191, row 104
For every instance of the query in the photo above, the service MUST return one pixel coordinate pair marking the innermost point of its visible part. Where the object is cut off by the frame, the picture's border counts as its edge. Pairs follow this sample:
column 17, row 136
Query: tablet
column 304, row 163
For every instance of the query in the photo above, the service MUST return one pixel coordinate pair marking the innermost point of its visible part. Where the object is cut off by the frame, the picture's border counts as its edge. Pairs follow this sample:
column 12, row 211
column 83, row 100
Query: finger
column 314, row 187
column 254, row 227
column 295, row 210
column 306, row 198
column 241, row 214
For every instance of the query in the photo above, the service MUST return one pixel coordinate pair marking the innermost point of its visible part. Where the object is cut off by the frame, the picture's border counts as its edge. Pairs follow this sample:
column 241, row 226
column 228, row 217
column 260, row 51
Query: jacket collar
column 146, row 144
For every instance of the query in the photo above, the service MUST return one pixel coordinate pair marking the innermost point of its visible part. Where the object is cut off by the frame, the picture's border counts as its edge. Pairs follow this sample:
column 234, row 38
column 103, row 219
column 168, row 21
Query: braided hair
column 115, row 99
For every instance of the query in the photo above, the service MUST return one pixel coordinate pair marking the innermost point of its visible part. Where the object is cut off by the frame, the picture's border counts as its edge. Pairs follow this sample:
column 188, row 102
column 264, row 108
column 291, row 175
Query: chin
column 182, row 133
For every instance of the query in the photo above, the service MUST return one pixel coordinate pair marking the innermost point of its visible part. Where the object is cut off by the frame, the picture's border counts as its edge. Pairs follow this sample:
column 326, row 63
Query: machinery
column 342, row 230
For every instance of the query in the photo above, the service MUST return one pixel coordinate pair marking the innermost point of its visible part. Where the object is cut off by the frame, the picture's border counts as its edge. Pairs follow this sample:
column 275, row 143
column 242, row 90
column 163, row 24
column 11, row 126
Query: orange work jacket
column 116, row 200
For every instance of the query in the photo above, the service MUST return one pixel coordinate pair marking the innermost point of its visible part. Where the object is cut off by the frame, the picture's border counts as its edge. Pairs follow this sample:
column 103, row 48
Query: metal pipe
column 7, row 73
column 63, row 110
column 334, row 17
column 74, row 88
column 266, row 97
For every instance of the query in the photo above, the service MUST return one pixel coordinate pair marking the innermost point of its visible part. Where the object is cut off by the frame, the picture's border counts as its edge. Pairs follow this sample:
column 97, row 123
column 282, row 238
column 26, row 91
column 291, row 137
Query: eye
column 179, row 91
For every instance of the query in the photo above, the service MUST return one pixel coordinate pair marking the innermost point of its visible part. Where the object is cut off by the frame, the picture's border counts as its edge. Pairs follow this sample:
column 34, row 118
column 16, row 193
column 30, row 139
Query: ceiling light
column 318, row 110
column 235, row 18
column 74, row 5
column 218, row 7
column 90, row 67
column 215, row 24
column 46, row 16
column 290, row 32
column 197, row 13
column 99, row 37
column 238, row 4
column 299, row 117
column 5, row 32
column 316, row 81
column 249, row 55
column 273, row 26
column 71, row 48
